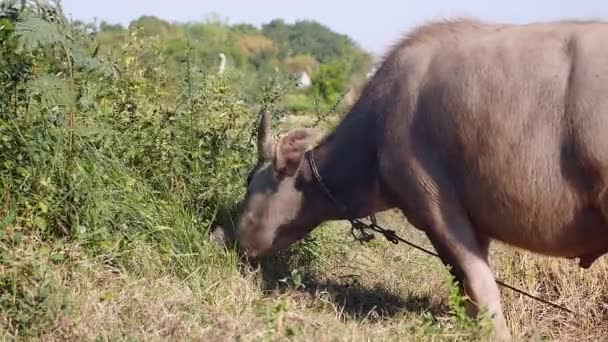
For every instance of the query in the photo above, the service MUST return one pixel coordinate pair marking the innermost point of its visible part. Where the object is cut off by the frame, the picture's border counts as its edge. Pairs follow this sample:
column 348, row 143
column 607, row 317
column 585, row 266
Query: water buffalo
column 476, row 132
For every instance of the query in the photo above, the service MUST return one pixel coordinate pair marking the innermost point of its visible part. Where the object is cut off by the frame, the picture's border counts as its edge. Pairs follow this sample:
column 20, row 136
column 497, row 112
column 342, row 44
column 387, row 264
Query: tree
column 151, row 25
column 107, row 27
column 330, row 81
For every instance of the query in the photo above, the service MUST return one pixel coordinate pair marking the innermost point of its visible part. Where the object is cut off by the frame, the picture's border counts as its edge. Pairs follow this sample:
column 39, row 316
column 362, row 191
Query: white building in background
column 304, row 81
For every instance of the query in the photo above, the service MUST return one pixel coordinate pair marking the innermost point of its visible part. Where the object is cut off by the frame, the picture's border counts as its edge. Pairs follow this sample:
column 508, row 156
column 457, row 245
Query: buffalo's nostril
column 249, row 256
column 246, row 247
column 252, row 248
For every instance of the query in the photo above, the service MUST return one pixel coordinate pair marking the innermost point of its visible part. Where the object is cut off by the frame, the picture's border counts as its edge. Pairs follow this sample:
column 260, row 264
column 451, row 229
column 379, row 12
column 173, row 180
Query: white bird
column 222, row 67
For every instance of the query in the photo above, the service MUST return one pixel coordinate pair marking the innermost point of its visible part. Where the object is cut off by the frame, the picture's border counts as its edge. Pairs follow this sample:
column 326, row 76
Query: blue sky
column 375, row 24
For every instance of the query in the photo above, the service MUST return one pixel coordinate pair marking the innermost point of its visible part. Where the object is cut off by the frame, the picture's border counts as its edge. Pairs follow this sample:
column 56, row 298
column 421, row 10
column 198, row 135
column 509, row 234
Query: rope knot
column 358, row 230
column 390, row 235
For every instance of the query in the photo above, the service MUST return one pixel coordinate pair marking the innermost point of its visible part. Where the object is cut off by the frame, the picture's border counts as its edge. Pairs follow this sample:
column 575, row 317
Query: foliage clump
column 105, row 150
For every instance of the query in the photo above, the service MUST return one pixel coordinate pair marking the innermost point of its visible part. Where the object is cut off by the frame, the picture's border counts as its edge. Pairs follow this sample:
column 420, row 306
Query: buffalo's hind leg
column 432, row 206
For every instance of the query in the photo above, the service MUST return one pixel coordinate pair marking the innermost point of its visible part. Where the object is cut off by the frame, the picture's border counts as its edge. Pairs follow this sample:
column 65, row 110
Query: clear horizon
column 373, row 25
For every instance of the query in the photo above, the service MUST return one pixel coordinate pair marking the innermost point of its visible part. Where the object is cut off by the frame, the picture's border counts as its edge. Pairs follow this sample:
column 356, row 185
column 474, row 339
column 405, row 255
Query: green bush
column 106, row 150
column 298, row 103
column 330, row 81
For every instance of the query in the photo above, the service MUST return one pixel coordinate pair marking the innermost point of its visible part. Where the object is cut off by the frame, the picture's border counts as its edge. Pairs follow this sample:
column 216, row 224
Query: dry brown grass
column 350, row 293
column 561, row 281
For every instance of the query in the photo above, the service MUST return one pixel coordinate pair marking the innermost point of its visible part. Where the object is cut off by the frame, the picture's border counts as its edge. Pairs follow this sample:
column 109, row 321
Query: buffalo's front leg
column 429, row 202
column 455, row 240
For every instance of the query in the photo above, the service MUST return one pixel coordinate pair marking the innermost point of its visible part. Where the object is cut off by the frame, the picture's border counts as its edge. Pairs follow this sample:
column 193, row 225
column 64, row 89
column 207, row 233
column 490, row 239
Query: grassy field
column 329, row 288
column 114, row 167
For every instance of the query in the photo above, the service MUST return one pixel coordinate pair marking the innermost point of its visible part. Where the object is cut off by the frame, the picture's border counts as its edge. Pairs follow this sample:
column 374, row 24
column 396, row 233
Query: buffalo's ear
column 265, row 138
column 290, row 150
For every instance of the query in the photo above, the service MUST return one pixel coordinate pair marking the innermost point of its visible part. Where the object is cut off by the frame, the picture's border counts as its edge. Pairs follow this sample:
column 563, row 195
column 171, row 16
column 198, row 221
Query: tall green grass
column 106, row 154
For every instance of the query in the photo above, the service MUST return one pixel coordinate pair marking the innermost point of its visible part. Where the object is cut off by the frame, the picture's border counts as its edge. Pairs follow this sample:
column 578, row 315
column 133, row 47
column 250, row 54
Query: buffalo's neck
column 348, row 165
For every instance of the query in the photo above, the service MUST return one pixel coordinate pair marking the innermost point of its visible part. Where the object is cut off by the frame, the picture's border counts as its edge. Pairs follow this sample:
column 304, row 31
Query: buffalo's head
column 278, row 208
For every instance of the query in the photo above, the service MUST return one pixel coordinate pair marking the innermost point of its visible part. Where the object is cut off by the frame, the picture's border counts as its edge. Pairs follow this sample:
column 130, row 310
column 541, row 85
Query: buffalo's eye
column 280, row 174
